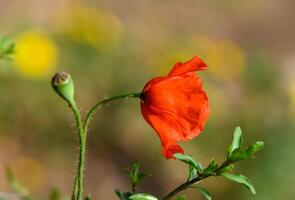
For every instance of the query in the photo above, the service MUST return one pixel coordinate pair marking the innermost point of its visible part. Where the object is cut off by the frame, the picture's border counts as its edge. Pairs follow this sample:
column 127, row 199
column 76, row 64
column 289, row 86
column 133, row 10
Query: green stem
column 78, row 184
column 201, row 177
column 103, row 101
column 82, row 130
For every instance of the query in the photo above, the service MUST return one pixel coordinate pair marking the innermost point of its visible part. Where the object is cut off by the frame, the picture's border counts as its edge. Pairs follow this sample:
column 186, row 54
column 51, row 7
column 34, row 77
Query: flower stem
column 78, row 184
column 201, row 177
column 82, row 128
column 103, row 101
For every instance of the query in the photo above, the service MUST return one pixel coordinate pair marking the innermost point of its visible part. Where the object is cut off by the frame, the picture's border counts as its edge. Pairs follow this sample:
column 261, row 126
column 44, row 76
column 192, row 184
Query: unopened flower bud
column 62, row 83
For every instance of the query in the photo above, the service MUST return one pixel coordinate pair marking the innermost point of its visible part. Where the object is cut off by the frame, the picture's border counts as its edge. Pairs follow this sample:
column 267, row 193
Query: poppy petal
column 195, row 64
column 167, row 134
column 177, row 108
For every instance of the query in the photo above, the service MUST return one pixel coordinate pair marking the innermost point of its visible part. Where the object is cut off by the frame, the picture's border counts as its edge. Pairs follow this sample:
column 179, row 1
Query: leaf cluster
column 135, row 177
column 235, row 153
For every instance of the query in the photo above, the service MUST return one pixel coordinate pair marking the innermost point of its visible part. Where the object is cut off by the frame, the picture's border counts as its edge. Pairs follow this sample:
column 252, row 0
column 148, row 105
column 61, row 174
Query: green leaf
column 123, row 195
column 141, row 176
column 189, row 160
column 236, row 141
column 54, row 195
column 128, row 172
column 13, row 182
column 226, row 169
column 88, row 197
column 142, row 197
column 192, row 173
column 255, row 147
column 135, row 176
column 182, row 197
column 205, row 193
column 239, row 178
column 211, row 167
column 6, row 47
column 243, row 155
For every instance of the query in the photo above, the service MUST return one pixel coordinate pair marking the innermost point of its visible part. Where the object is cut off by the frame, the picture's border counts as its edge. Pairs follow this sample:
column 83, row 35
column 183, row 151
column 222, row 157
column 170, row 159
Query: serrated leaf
column 123, row 195
column 188, row 160
column 236, row 141
column 239, row 178
column 142, row 196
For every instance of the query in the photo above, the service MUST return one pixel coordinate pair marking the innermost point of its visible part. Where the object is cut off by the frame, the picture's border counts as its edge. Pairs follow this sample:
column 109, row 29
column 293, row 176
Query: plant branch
column 200, row 177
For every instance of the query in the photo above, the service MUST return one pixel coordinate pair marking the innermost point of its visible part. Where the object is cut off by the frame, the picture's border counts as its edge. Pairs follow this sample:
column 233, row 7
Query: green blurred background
column 115, row 46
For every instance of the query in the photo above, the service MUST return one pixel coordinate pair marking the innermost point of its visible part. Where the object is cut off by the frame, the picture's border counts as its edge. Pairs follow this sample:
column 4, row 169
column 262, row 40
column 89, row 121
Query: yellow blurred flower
column 90, row 26
column 35, row 54
column 225, row 58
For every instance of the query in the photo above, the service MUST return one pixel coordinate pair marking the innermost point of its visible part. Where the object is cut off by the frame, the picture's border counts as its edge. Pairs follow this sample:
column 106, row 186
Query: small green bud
column 63, row 85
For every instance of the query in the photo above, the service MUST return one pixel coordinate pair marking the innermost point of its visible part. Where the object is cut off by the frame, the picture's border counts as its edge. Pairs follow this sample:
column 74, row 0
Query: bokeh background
column 113, row 46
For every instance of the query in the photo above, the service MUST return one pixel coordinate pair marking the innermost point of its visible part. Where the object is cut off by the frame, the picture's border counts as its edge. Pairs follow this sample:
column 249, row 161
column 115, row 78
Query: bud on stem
column 63, row 85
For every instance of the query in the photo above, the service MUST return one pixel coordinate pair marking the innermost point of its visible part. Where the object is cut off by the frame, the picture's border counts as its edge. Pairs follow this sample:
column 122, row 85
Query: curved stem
column 103, row 101
column 201, row 177
column 82, row 131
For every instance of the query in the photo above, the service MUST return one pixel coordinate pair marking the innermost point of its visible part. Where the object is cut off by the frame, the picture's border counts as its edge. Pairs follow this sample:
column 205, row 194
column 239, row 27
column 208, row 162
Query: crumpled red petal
column 176, row 106
column 195, row 64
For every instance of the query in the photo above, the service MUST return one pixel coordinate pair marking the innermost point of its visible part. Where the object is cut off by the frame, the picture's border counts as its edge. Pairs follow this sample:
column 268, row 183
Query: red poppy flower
column 176, row 105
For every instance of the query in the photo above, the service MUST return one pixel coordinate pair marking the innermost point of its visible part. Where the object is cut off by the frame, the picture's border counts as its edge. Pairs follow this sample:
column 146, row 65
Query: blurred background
column 113, row 46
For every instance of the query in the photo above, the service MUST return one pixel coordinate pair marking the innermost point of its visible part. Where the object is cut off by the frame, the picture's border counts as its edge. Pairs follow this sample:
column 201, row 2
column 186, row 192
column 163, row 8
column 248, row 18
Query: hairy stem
column 82, row 132
column 201, row 177
column 78, row 184
column 103, row 101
